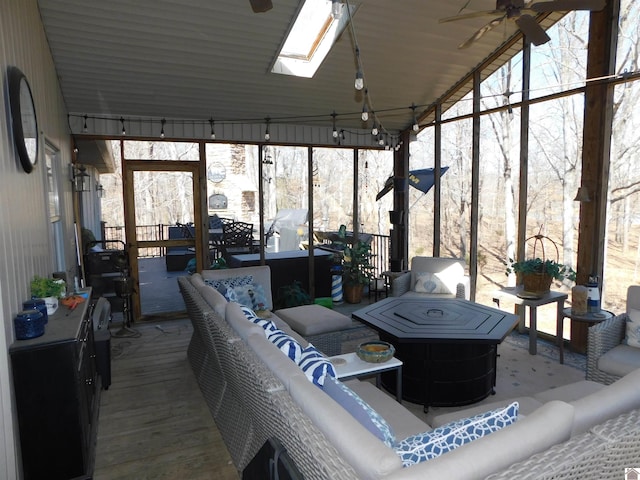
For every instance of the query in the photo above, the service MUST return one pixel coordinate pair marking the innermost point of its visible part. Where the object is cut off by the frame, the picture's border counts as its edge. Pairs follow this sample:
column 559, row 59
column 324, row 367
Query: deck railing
column 380, row 244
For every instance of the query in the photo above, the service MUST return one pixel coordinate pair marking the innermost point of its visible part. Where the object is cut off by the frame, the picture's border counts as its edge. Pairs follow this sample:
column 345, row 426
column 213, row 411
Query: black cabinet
column 55, row 380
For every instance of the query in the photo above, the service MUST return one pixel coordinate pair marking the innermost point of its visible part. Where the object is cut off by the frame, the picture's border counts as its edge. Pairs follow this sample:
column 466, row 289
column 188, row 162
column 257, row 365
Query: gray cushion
column 400, row 419
column 369, row 457
column 313, row 319
column 620, row 360
column 570, row 392
column 619, row 397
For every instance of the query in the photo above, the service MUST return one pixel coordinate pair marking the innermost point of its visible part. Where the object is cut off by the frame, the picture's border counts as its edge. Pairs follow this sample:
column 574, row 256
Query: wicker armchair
column 606, row 338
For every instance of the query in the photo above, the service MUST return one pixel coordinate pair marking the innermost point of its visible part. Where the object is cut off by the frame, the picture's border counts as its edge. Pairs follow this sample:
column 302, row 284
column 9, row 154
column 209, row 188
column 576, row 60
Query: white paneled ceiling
column 196, row 59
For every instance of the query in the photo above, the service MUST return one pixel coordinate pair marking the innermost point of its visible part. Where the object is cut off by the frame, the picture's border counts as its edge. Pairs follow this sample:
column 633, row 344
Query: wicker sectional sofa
column 255, row 392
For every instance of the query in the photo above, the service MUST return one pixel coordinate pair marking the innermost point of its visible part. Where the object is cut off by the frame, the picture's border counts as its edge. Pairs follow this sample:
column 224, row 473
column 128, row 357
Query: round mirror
column 23, row 119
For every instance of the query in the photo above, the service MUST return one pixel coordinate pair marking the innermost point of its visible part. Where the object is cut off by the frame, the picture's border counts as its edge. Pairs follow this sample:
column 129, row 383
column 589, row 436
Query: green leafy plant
column 47, row 287
column 357, row 267
column 555, row 270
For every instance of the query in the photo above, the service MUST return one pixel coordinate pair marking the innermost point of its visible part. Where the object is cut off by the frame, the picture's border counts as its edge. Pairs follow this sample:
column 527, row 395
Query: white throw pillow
column 427, row 282
column 632, row 337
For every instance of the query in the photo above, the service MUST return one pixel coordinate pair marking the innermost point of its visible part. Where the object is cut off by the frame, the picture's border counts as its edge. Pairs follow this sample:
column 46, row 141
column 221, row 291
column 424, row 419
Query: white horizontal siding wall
column 25, row 248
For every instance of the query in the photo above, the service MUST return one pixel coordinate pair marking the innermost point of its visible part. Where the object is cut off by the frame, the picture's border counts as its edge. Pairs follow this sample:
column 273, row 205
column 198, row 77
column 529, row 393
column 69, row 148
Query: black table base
column 445, row 374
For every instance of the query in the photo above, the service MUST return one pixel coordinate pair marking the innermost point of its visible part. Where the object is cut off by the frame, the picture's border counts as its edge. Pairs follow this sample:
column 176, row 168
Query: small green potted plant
column 357, row 270
column 536, row 274
column 49, row 289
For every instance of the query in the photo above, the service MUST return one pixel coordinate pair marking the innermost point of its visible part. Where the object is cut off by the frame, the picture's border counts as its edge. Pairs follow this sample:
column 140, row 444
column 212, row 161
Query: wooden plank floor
column 154, row 422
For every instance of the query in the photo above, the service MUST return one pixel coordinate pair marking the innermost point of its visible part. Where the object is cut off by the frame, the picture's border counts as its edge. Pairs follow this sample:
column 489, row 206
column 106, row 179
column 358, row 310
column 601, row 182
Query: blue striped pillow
column 267, row 325
column 315, row 366
column 286, row 344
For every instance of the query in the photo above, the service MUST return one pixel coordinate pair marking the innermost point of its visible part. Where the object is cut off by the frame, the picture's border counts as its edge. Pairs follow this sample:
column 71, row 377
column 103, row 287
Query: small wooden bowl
column 375, row 352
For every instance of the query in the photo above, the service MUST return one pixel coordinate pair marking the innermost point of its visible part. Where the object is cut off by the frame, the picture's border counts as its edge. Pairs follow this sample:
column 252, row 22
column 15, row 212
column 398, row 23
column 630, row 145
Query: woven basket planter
column 536, row 283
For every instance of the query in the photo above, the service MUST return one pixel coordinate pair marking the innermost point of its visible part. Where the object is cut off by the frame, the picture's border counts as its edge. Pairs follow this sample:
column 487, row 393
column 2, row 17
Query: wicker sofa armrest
column 401, row 284
column 602, row 338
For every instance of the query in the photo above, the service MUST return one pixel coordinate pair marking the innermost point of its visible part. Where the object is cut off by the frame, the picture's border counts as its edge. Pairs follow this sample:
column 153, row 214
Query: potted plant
column 357, row 270
column 536, row 274
column 50, row 290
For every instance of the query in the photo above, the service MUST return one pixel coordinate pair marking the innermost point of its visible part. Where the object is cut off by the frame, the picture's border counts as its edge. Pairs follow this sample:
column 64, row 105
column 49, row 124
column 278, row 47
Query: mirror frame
column 23, row 112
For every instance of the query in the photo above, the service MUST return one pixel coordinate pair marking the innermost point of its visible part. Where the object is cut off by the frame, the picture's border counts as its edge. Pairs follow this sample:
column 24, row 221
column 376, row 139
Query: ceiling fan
column 259, row 6
column 524, row 16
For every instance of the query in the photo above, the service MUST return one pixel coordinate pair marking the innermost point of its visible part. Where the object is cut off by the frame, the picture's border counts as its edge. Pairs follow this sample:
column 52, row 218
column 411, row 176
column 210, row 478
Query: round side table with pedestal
column 586, row 319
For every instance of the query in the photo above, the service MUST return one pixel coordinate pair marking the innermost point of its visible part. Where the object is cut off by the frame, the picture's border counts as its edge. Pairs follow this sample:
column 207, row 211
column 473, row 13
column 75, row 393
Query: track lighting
column 162, row 122
column 267, row 135
column 124, row 131
column 336, row 9
column 213, row 132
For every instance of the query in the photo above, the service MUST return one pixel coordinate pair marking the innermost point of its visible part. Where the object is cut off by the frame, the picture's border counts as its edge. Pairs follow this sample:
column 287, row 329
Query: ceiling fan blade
column 489, row 26
column 534, row 32
column 259, row 6
column 464, row 16
column 567, row 5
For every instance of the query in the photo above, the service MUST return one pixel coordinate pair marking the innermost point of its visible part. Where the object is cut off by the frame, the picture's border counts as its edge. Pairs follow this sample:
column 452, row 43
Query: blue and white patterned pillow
column 229, row 282
column 360, row 410
column 428, row 445
column 286, row 344
column 267, row 325
column 315, row 366
column 427, row 282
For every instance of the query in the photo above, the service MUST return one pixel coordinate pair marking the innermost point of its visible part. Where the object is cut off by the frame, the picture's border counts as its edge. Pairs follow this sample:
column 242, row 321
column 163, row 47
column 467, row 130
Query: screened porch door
column 161, row 215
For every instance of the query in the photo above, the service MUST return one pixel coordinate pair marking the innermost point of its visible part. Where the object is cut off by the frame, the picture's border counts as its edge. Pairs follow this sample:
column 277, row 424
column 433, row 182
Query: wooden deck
column 154, row 423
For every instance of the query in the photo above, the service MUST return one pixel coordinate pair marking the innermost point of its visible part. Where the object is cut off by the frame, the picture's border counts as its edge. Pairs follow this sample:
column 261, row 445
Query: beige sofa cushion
column 620, row 360
column 402, row 421
column 313, row 319
column 239, row 322
column 369, row 456
column 210, row 294
column 619, row 397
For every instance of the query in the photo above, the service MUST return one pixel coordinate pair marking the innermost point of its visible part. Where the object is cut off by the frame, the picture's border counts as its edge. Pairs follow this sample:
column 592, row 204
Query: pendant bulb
column 124, row 131
column 213, row 132
column 163, row 121
column 336, row 9
column 84, row 127
column 359, row 82
column 267, row 135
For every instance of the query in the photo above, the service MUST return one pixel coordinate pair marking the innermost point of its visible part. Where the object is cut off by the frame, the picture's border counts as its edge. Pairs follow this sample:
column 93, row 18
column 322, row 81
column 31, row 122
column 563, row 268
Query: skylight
column 312, row 35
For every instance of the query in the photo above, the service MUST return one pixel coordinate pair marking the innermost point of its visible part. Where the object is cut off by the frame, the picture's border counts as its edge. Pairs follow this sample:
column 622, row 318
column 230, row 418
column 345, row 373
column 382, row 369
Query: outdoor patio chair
column 609, row 357
column 237, row 238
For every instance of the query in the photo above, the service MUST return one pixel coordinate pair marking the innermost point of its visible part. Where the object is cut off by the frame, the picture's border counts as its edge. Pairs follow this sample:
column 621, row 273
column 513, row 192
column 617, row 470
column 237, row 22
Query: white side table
column 349, row 365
